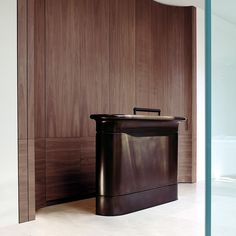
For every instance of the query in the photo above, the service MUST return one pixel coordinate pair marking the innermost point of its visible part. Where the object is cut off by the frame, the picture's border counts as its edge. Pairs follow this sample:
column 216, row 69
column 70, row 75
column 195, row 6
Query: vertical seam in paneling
column 194, row 94
column 45, row 71
column 18, row 102
column 45, row 97
column 135, row 92
column 109, row 44
column 27, row 99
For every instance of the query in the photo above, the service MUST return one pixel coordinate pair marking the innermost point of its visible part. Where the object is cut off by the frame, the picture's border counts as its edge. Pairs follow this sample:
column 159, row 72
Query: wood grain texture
column 31, row 112
column 23, row 181
column 26, row 110
column 122, row 56
column 39, row 70
column 172, row 74
column 70, row 168
column 159, row 95
column 77, row 54
column 22, row 69
column 31, row 178
column 23, row 111
column 180, row 84
column 40, row 105
column 30, row 70
column 185, row 158
column 143, row 53
column 40, row 173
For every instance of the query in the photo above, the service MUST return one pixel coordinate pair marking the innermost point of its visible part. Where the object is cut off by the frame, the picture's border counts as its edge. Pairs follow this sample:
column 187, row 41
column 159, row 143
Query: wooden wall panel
column 63, row 67
column 22, row 112
column 26, row 110
column 122, row 56
column 180, row 80
column 31, row 178
column 143, row 53
column 23, row 181
column 94, row 79
column 185, row 160
column 31, row 112
column 40, row 104
column 77, row 75
column 39, row 70
column 40, row 173
column 159, row 72
column 70, row 170
column 22, row 69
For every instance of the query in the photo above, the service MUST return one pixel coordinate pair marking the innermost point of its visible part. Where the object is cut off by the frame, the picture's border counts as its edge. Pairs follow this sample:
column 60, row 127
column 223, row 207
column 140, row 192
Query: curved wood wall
column 106, row 56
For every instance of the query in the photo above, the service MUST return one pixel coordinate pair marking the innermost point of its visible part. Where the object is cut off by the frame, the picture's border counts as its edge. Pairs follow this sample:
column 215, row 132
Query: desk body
column 136, row 162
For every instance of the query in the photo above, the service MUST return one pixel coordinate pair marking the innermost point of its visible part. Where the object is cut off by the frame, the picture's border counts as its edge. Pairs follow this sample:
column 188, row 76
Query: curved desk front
column 136, row 162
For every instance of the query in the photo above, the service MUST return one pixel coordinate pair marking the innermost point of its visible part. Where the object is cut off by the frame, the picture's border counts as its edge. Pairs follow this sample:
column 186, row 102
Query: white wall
column 200, row 94
column 196, row 3
column 8, row 113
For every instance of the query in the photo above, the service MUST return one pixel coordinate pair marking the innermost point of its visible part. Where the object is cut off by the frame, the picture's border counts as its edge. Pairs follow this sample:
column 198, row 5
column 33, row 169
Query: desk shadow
column 85, row 206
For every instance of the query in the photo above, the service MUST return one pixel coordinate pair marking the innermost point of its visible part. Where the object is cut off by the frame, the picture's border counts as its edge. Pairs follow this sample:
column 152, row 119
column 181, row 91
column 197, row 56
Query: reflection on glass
column 223, row 118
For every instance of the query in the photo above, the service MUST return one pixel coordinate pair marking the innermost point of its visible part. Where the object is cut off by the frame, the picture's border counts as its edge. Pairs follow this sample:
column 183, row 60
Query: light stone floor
column 184, row 217
column 224, row 207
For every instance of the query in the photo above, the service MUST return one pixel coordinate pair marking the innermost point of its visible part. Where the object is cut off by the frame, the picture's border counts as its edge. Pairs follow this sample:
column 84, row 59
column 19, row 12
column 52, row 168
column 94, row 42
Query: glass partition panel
column 223, row 142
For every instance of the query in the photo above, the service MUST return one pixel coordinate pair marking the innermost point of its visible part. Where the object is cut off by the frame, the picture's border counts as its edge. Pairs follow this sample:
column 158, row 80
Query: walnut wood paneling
column 40, row 173
column 70, row 170
column 31, row 112
column 39, row 70
column 180, row 84
column 30, row 70
column 185, row 160
column 26, row 110
column 181, row 80
column 40, row 104
column 31, row 178
column 23, row 111
column 159, row 73
column 26, row 180
column 172, row 74
column 22, row 69
column 23, row 181
column 143, row 53
column 122, row 56
column 77, row 73
column 94, row 89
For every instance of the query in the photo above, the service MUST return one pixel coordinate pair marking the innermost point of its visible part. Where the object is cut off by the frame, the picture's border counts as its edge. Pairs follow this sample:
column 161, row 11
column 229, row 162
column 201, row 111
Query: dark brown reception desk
column 136, row 162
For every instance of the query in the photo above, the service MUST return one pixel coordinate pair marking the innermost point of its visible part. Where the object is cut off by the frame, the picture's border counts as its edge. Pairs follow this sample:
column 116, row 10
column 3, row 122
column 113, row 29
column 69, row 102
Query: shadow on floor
column 86, row 206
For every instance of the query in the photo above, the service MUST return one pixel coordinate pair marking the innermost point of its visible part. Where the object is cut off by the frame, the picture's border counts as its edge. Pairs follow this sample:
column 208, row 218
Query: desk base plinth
column 124, row 204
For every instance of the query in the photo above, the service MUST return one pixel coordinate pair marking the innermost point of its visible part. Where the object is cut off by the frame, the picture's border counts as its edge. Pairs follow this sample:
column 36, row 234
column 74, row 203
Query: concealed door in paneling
column 77, row 74
column 122, row 56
